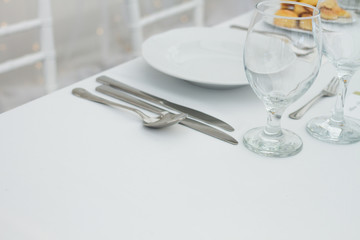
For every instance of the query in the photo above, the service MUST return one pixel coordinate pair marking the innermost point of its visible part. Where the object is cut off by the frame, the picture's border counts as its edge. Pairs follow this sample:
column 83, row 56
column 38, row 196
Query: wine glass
column 341, row 34
column 282, row 57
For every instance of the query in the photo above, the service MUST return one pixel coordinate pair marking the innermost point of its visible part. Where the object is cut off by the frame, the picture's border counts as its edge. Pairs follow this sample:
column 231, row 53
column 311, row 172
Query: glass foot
column 285, row 145
column 324, row 129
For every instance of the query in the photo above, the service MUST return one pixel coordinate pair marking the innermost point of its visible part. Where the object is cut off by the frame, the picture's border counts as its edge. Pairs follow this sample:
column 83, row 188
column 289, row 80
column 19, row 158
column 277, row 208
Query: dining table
column 73, row 169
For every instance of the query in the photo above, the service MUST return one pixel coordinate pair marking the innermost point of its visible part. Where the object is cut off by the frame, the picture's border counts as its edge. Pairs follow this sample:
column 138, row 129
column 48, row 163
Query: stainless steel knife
column 191, row 123
column 165, row 103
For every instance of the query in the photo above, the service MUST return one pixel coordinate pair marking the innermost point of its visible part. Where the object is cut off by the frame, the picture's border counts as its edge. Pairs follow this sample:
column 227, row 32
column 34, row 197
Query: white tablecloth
column 73, row 169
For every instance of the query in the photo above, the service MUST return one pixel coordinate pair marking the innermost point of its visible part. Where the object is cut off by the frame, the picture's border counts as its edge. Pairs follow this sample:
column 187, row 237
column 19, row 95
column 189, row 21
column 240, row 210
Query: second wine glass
column 282, row 57
column 341, row 31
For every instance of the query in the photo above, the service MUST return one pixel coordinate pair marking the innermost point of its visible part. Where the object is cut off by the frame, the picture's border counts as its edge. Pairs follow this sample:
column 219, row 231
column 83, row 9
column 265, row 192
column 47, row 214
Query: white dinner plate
column 208, row 57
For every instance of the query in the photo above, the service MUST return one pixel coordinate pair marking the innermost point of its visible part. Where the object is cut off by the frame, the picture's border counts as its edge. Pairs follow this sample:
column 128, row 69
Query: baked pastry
column 328, row 13
column 342, row 12
column 305, row 24
column 298, row 9
column 310, row 2
column 287, row 5
column 289, row 23
column 330, row 10
column 330, row 4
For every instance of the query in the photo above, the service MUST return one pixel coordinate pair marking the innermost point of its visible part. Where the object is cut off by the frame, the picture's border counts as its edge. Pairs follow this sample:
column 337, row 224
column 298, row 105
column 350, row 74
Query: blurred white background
column 79, row 32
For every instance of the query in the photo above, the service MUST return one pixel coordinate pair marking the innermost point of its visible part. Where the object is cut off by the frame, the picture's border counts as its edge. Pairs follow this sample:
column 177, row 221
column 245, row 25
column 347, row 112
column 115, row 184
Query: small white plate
column 208, row 57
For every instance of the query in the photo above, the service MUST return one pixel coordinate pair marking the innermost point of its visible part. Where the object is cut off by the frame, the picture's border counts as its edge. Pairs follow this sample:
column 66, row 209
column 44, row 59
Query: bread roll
column 305, row 24
column 298, row 9
column 289, row 23
column 288, row 6
column 330, row 10
column 310, row 2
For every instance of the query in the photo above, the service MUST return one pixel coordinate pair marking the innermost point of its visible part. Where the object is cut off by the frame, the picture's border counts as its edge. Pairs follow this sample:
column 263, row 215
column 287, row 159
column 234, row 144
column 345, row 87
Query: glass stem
column 273, row 127
column 338, row 111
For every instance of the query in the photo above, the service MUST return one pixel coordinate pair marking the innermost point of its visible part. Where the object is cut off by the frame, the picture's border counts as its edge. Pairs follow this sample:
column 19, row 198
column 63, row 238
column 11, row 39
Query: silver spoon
column 163, row 120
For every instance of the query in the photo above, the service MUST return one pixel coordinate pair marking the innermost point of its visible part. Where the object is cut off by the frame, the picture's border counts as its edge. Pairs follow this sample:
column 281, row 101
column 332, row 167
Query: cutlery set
column 188, row 117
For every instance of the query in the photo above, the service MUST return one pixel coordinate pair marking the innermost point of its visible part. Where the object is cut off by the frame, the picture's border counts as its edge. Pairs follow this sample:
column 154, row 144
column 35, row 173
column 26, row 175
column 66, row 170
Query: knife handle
column 127, row 98
column 109, row 81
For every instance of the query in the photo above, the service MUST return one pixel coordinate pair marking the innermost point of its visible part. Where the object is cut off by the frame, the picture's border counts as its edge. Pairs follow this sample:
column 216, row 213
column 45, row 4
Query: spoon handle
column 80, row 92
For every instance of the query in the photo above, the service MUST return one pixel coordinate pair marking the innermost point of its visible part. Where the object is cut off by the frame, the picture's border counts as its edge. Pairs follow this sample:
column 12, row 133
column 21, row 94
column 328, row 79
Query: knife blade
column 165, row 103
column 191, row 123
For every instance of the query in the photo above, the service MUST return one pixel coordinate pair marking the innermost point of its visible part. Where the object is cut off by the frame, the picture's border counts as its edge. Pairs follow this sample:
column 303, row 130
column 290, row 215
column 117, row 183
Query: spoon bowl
column 165, row 118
